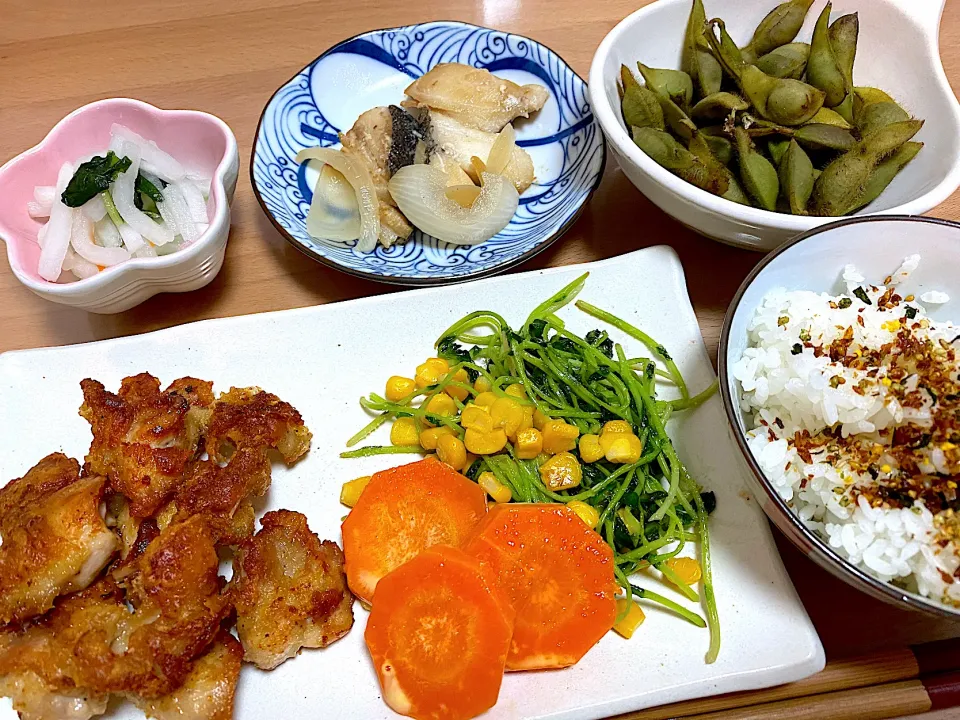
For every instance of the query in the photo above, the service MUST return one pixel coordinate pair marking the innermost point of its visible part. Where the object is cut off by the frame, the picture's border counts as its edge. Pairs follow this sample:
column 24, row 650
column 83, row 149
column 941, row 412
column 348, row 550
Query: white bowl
column 204, row 143
column 815, row 261
column 898, row 51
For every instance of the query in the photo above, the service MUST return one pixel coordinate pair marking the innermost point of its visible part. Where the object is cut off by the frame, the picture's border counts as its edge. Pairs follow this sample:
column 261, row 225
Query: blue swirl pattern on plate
column 566, row 144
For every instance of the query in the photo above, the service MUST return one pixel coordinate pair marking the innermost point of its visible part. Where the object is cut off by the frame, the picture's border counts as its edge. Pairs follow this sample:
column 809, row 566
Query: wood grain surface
column 227, row 57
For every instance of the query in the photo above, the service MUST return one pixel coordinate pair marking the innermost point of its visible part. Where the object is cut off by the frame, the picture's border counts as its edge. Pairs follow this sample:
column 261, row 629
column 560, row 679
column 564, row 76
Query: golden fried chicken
column 290, row 591
column 143, row 438
column 34, row 700
column 93, row 643
column 54, row 540
column 209, row 689
column 221, row 493
column 250, row 417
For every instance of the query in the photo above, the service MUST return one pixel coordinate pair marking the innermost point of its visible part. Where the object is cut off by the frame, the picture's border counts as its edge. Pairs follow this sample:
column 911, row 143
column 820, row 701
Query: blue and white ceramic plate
column 373, row 69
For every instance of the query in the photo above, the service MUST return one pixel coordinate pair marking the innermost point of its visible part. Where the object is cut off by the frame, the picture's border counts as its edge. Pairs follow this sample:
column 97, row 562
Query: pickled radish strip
column 81, row 238
column 57, row 235
column 122, row 192
column 152, row 158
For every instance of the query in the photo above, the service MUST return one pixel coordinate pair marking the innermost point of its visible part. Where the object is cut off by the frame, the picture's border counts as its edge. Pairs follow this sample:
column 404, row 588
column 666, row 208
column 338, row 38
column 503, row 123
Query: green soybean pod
column 757, row 174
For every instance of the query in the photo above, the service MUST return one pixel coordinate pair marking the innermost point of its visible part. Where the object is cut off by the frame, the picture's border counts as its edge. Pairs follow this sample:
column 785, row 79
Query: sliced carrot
column 402, row 512
column 438, row 634
column 558, row 574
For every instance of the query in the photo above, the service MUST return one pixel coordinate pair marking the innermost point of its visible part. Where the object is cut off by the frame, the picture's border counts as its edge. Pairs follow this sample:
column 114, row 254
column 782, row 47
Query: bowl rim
column 199, row 248
column 447, row 279
column 756, row 218
column 731, row 408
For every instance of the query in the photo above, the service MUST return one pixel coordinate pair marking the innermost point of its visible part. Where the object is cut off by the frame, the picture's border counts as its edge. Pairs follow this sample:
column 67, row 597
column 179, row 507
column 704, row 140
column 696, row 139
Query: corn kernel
column 493, row 487
column 687, row 569
column 619, row 448
column 404, row 432
column 485, row 443
column 561, row 472
column 886, row 381
column 452, row 451
column 590, row 450
column 431, row 371
column 398, row 387
column 508, row 414
column 481, row 384
column 476, row 417
column 558, row 436
column 617, row 426
column 539, row 420
column 631, row 621
column 430, row 437
column 455, row 391
column 485, row 399
column 885, row 468
column 441, row 404
column 529, row 443
column 587, row 513
column 516, row 390
column 947, row 446
column 350, row 492
column 891, row 325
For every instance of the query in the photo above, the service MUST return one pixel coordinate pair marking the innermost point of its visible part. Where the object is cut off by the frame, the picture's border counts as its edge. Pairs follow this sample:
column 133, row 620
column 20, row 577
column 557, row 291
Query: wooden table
column 227, row 57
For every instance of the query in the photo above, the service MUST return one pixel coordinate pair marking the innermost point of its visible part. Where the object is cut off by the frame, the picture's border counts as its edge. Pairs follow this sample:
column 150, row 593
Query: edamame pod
column 877, row 115
column 823, row 68
column 696, row 61
column 640, row 106
column 758, row 175
column 786, row 61
column 885, row 172
column 779, row 27
column 829, row 116
column 674, row 84
column 664, row 150
column 784, row 101
column 718, row 106
column 796, row 178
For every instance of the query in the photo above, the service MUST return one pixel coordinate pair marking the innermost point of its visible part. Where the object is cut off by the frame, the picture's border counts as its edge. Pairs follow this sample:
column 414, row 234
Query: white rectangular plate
column 322, row 359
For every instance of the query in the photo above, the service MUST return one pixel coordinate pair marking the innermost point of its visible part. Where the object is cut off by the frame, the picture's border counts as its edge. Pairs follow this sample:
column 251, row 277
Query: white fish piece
column 195, row 202
column 132, row 240
column 176, row 213
column 81, row 238
column 106, row 233
column 57, row 234
column 95, row 208
column 122, row 191
column 153, row 159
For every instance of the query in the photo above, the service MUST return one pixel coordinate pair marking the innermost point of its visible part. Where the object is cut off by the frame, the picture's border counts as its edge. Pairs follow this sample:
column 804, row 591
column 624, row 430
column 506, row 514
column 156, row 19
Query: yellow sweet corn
column 476, row 417
column 455, row 391
column 529, row 443
column 441, row 404
column 404, row 432
column 621, row 448
column 590, row 450
column 351, row 490
column 430, row 436
column 481, row 384
column 398, row 387
column 485, row 399
column 616, row 426
column 687, row 569
column 493, row 487
column 558, row 436
column 539, row 420
column 561, row 472
column 631, row 621
column 431, row 371
column 516, row 390
column 507, row 413
column 485, row 443
column 587, row 513
column 452, row 451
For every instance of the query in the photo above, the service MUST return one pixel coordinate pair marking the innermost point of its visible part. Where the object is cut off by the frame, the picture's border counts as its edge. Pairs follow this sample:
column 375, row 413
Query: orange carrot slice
column 438, row 634
column 558, row 574
column 402, row 512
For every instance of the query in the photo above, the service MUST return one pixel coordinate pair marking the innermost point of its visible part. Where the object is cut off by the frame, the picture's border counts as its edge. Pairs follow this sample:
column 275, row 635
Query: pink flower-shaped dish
column 204, row 143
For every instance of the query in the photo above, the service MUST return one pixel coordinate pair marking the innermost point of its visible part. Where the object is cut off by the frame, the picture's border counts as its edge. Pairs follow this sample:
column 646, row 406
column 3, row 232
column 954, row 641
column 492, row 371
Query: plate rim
column 427, row 281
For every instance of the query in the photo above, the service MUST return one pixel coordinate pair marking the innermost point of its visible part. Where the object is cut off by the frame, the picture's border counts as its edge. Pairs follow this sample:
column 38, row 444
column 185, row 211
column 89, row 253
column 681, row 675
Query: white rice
column 788, row 389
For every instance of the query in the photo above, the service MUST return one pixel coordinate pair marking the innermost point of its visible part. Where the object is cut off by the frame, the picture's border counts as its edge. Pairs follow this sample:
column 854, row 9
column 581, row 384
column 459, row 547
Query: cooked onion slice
column 359, row 178
column 334, row 213
column 463, row 195
column 502, row 150
column 420, row 193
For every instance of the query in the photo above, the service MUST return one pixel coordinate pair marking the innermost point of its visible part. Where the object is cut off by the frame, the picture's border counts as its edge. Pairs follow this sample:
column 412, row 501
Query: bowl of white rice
column 840, row 374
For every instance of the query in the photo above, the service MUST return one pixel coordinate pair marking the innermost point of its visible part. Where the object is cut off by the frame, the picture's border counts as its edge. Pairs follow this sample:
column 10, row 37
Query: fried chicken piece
column 34, row 700
column 54, row 540
column 290, row 591
column 250, row 417
column 92, row 643
column 209, row 689
column 222, row 494
column 143, row 438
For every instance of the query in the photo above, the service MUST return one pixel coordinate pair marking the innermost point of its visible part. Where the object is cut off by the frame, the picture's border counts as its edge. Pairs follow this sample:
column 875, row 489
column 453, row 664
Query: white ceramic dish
column 898, row 51
column 203, row 142
column 322, row 359
column 815, row 262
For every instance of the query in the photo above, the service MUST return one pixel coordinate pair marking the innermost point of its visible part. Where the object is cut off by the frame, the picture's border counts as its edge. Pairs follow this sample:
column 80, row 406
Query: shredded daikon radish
column 195, row 202
column 202, row 183
column 42, row 234
column 146, row 251
column 105, row 233
column 153, row 159
column 176, row 213
column 57, row 238
column 45, row 194
column 122, row 191
column 37, row 210
column 78, row 266
column 132, row 240
column 81, row 238
column 95, row 209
